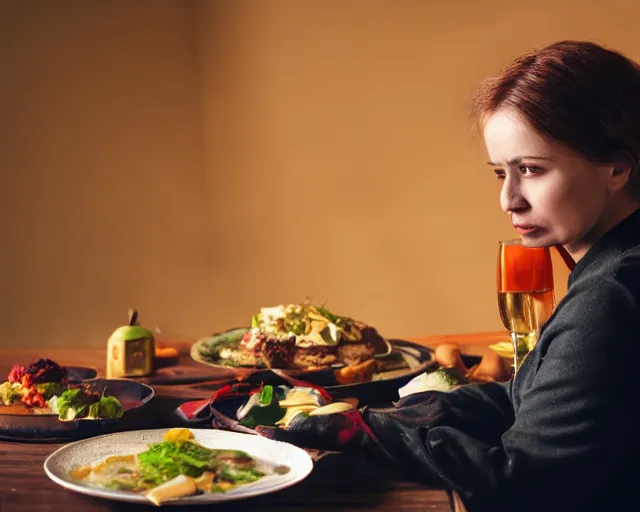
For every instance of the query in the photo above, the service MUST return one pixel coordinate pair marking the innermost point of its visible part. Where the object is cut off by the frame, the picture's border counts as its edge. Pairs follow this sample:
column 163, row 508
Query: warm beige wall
column 339, row 153
column 102, row 172
column 199, row 159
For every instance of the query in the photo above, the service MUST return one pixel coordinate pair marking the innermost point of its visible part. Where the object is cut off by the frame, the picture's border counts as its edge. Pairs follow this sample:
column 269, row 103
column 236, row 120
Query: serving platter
column 297, row 462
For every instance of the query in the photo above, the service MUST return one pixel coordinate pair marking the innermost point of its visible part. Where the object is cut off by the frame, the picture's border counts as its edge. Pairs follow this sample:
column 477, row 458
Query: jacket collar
column 623, row 236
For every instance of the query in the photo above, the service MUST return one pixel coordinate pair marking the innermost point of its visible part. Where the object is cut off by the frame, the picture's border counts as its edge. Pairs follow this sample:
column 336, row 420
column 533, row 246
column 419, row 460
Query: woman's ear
column 620, row 171
column 619, row 175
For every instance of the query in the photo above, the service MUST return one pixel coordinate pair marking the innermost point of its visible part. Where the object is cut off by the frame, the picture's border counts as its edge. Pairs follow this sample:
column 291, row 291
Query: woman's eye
column 528, row 170
column 500, row 174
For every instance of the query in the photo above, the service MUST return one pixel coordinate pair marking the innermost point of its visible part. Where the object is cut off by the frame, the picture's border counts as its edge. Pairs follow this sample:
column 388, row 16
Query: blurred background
column 196, row 160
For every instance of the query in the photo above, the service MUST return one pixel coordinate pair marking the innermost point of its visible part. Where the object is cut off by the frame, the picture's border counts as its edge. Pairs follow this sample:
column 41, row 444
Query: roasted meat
column 355, row 352
column 305, row 357
column 278, row 353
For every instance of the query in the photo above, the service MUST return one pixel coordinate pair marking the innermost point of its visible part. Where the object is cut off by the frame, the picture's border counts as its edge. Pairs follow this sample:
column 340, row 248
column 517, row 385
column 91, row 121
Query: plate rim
column 97, row 492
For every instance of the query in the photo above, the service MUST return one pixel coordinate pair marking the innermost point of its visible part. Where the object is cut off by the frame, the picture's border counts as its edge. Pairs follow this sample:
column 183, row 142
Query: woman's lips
column 527, row 229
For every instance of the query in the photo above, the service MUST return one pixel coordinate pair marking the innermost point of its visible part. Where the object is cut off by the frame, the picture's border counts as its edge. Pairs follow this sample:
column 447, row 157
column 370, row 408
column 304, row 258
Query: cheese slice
column 301, row 396
column 292, row 412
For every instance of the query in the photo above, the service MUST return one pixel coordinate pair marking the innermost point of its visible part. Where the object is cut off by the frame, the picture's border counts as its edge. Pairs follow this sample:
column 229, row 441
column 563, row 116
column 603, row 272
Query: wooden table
column 339, row 482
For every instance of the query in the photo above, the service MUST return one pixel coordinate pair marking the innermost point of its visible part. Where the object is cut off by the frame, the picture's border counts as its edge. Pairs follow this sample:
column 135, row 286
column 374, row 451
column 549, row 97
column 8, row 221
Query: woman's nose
column 510, row 196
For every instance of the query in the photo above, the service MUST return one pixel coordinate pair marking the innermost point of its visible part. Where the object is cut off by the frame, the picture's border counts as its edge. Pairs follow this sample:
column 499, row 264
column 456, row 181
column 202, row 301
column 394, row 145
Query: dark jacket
column 562, row 435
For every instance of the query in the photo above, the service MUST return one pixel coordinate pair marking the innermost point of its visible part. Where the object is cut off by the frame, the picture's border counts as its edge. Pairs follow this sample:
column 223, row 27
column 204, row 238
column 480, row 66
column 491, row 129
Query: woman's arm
column 483, row 411
column 569, row 430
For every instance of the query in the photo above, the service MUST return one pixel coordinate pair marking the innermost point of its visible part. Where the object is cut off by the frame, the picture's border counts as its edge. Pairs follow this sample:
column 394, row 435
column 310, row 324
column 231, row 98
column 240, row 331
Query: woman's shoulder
column 627, row 272
column 631, row 258
column 598, row 313
column 614, row 273
column 610, row 295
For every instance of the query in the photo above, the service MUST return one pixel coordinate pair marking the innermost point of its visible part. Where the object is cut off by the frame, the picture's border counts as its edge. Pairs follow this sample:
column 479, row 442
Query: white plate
column 60, row 462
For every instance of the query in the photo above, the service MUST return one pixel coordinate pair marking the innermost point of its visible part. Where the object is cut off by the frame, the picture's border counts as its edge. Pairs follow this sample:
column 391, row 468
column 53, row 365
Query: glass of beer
column 525, row 293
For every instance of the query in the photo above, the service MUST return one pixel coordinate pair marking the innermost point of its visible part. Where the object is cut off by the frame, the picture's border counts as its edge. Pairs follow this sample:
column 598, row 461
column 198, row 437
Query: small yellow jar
column 130, row 351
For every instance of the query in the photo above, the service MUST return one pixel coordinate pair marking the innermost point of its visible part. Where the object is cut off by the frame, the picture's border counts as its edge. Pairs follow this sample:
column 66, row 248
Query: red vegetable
column 42, row 370
column 16, row 374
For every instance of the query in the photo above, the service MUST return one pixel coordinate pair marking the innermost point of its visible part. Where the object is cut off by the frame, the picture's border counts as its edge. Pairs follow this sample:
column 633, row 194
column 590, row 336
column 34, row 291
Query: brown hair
column 579, row 94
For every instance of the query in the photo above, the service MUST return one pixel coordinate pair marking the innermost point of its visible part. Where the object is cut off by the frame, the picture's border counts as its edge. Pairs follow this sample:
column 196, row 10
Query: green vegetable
column 9, row 393
column 262, row 409
column 69, row 405
column 50, row 389
column 108, row 407
column 226, row 362
column 297, row 328
column 238, row 475
column 168, row 459
column 266, row 395
column 256, row 320
column 442, row 378
column 75, row 404
column 118, row 484
column 449, row 376
column 210, row 348
column 94, row 410
column 325, row 313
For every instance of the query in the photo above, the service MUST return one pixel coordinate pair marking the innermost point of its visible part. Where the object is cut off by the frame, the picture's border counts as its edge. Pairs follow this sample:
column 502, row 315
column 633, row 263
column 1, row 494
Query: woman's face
column 552, row 195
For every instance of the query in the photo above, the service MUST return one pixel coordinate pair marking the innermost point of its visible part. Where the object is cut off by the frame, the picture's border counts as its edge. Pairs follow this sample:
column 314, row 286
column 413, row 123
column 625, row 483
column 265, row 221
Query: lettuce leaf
column 50, row 389
column 9, row 393
column 166, row 460
column 109, row 407
column 75, row 404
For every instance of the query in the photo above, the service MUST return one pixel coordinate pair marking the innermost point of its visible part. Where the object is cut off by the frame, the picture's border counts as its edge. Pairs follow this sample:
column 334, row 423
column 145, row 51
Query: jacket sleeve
column 482, row 411
column 570, row 428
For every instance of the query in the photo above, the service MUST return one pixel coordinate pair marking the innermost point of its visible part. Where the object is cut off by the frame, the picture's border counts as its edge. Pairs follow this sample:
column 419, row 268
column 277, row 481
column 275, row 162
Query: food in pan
column 42, row 387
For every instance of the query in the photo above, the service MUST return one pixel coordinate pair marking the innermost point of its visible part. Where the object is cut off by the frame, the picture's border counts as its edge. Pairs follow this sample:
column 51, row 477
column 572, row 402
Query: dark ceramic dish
column 30, row 426
column 80, row 373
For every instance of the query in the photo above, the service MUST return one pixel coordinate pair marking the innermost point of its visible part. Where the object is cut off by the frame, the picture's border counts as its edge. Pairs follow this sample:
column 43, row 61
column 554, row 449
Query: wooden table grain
column 339, row 482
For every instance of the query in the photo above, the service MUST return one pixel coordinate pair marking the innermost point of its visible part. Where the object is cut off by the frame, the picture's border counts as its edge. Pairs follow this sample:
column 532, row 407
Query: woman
column 562, row 129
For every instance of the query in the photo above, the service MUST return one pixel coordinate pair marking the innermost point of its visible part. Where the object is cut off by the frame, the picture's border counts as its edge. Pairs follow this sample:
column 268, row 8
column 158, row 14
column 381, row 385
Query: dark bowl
column 133, row 395
column 80, row 373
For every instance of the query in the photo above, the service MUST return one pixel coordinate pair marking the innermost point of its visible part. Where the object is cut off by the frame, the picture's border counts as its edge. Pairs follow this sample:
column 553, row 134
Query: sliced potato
column 178, row 487
column 204, row 481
